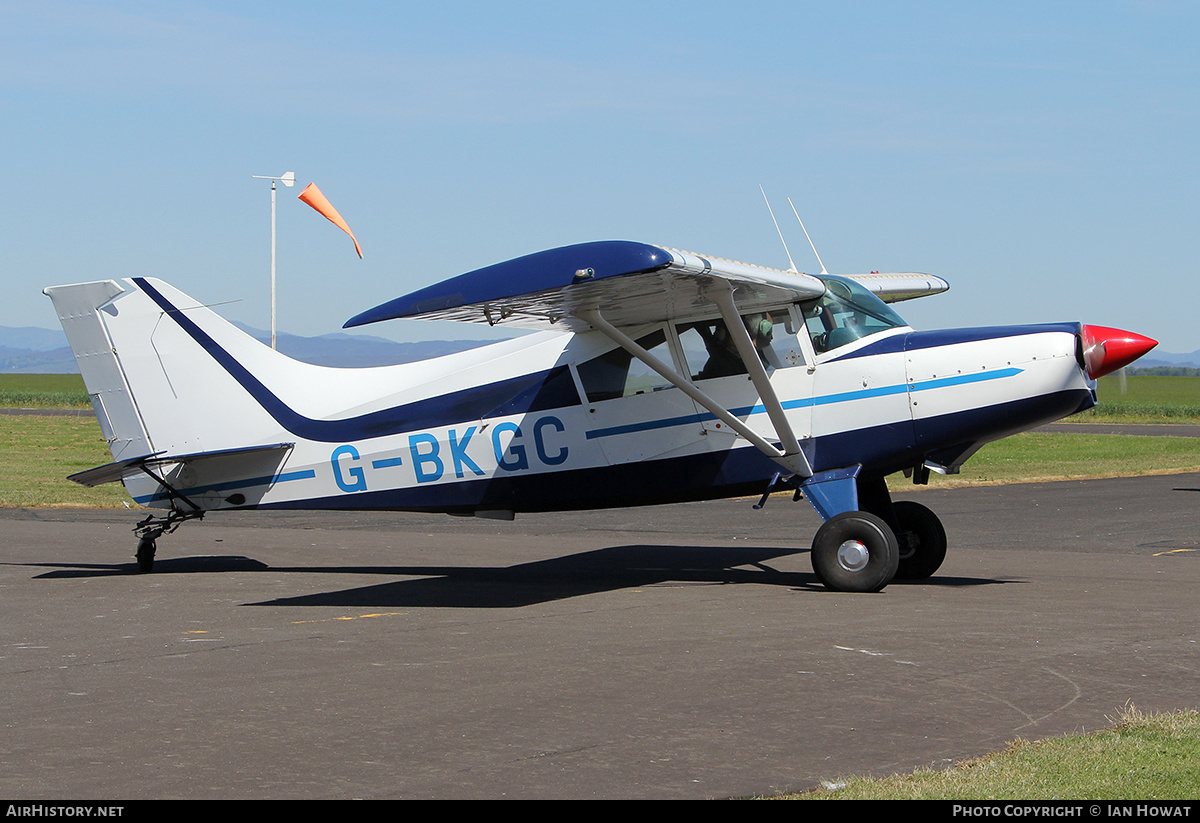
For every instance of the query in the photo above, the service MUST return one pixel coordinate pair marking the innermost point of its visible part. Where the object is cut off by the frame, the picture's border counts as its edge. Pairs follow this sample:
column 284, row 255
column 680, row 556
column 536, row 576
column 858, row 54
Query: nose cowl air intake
column 1105, row 350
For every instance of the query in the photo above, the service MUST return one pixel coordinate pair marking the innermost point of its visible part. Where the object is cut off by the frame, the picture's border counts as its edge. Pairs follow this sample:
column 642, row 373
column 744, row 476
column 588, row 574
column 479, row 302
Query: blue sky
column 1042, row 157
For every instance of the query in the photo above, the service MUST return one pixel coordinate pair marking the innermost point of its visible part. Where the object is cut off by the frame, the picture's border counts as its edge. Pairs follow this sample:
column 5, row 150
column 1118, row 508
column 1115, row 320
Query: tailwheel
column 855, row 551
column 155, row 526
column 922, row 540
column 145, row 554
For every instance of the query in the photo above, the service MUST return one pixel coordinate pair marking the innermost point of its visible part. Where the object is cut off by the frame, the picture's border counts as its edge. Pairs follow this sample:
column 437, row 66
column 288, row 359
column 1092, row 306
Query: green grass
column 1141, row 757
column 36, row 455
column 1145, row 399
column 43, row 391
column 1044, row 456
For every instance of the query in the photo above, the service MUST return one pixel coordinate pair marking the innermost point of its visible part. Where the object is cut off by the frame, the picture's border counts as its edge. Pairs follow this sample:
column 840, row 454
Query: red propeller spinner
column 1105, row 350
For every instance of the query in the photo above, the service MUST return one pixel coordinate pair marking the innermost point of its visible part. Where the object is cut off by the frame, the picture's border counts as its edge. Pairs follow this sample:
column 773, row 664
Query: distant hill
column 1164, row 371
column 45, row 351
column 32, row 361
column 1166, row 358
column 354, row 350
column 32, row 338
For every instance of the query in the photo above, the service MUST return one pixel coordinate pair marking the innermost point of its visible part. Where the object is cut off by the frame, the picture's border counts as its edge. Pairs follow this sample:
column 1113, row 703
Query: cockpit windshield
column 846, row 312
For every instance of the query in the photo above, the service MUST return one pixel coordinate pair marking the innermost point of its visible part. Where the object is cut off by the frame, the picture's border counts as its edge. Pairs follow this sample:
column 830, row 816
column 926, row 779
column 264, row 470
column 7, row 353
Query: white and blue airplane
column 657, row 376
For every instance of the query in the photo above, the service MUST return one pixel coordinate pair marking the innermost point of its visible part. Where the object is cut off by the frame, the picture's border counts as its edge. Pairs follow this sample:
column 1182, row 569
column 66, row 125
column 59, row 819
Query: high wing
column 629, row 283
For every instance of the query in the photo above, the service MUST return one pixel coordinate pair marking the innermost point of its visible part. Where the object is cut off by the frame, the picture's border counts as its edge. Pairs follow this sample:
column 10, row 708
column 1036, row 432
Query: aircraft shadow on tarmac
column 608, row 569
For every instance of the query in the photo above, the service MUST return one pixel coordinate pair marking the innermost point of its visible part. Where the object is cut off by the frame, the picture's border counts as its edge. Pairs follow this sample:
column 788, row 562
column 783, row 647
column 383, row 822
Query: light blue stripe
column 826, row 400
column 305, row 474
column 962, row 379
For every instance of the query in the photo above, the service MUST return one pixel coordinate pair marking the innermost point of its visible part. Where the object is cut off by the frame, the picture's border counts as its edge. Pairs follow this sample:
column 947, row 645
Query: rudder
column 78, row 307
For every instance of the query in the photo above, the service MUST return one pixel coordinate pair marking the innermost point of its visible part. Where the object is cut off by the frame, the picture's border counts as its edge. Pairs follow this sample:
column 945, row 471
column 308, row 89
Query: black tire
column 922, row 540
column 855, row 552
column 145, row 554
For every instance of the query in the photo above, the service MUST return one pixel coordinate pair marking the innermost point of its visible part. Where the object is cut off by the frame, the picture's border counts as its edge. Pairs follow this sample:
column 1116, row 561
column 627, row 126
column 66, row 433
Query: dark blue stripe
column 916, row 340
column 539, row 391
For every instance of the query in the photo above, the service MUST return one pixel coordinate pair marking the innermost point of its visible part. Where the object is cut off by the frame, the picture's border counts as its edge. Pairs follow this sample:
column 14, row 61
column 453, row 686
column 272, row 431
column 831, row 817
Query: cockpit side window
column 710, row 352
column 845, row 313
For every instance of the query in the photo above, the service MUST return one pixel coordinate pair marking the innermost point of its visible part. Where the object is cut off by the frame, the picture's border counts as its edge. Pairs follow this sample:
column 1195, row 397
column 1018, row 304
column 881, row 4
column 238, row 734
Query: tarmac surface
column 673, row 652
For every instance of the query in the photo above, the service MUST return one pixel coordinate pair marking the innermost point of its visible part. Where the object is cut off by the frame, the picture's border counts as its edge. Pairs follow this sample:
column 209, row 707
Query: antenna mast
column 791, row 263
column 810, row 242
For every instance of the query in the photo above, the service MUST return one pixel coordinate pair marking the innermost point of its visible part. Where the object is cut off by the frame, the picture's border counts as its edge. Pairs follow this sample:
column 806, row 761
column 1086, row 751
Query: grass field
column 1046, row 456
column 1145, row 398
column 43, row 391
column 1141, row 757
column 36, row 455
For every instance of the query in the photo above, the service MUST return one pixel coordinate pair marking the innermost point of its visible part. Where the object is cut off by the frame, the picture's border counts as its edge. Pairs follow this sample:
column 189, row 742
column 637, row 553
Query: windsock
column 313, row 197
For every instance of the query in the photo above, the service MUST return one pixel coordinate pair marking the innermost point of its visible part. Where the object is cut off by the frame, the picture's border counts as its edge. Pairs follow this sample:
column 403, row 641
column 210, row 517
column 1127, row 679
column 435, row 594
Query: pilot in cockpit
column 723, row 357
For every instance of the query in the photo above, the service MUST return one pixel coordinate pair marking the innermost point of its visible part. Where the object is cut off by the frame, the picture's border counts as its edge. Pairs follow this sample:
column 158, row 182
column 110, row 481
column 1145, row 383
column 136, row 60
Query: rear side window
column 617, row 373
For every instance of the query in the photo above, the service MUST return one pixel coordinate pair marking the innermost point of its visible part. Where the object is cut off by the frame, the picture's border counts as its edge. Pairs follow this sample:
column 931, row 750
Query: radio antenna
column 810, row 242
column 791, row 263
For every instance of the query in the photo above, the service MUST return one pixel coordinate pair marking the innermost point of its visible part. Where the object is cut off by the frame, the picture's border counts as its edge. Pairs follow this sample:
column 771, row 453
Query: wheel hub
column 853, row 555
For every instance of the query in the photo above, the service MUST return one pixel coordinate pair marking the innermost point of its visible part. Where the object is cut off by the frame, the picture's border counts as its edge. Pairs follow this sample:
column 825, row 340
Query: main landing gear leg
column 866, row 540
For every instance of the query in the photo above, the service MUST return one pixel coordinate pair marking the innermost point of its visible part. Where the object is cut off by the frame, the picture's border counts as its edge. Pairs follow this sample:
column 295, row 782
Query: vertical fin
column 79, row 310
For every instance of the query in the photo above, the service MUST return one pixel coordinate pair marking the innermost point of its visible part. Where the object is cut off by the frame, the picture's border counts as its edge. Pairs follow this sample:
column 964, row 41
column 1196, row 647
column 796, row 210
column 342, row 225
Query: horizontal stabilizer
column 112, row 472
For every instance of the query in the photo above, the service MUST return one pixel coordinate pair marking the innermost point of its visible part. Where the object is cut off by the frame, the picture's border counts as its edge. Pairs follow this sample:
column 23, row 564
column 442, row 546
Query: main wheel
column 922, row 540
column 145, row 554
column 855, row 552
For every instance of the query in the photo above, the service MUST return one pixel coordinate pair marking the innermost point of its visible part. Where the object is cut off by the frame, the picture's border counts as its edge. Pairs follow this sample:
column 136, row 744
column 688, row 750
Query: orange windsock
column 313, row 197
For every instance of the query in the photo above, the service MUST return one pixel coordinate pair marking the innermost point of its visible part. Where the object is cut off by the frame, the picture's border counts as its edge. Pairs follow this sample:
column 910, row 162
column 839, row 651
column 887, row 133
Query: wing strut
column 792, row 459
column 758, row 375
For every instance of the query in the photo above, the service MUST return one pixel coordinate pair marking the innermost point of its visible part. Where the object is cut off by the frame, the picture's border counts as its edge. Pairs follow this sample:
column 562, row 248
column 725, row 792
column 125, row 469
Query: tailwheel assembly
column 153, row 527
